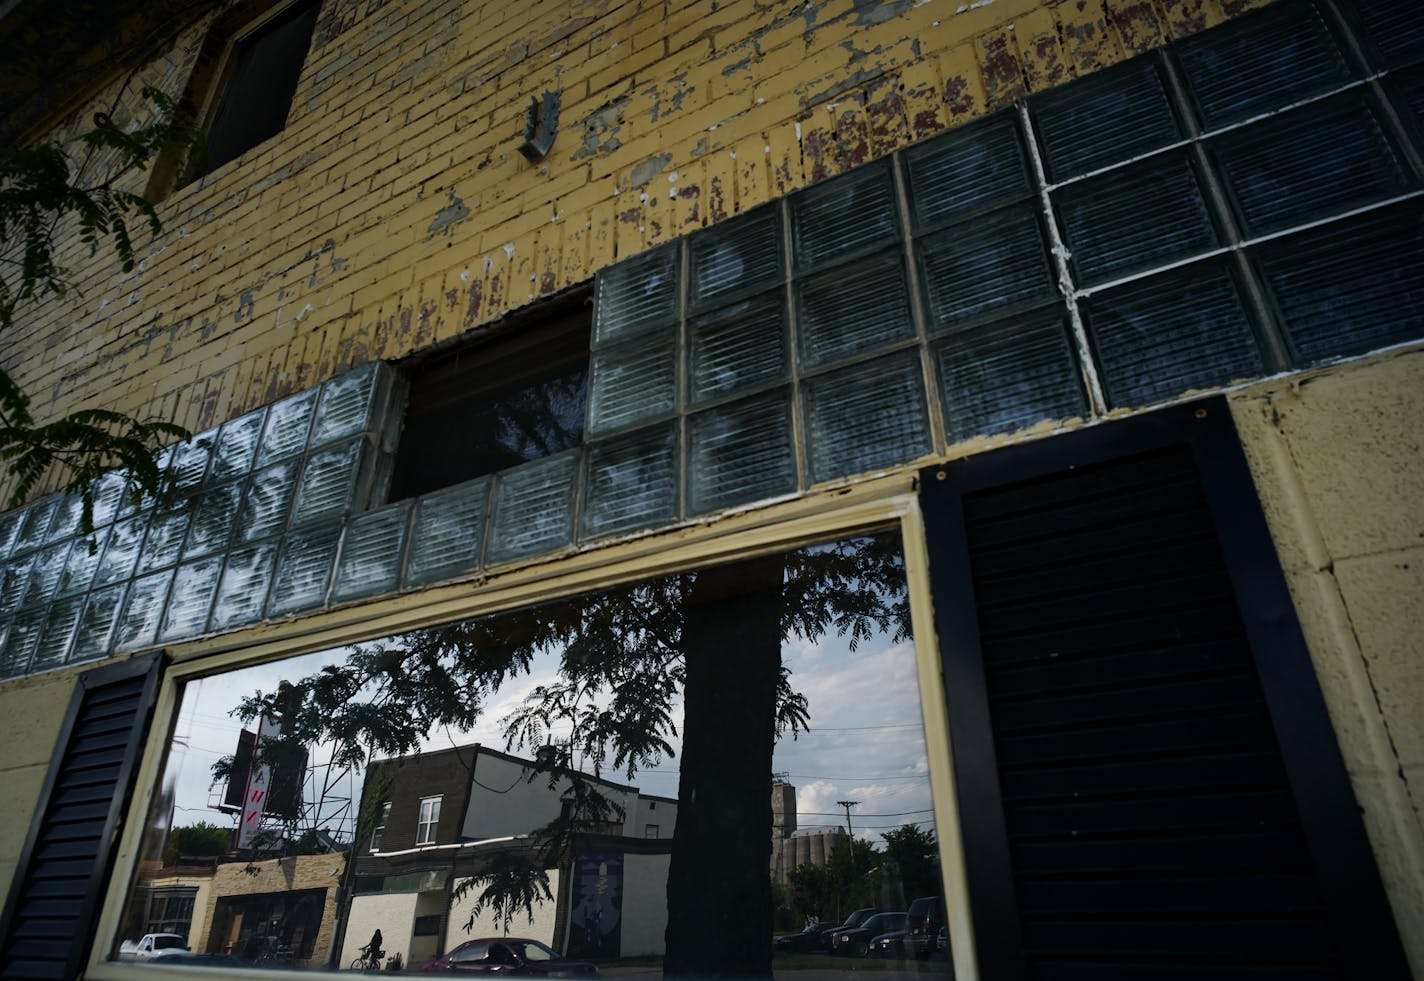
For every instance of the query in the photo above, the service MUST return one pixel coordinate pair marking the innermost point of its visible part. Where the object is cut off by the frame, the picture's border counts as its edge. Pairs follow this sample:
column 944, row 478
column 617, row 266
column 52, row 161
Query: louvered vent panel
column 49, row 916
column 1152, row 833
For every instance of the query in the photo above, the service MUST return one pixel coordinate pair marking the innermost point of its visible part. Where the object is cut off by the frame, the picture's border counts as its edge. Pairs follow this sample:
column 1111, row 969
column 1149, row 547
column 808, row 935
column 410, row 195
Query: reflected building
column 790, row 850
column 441, row 819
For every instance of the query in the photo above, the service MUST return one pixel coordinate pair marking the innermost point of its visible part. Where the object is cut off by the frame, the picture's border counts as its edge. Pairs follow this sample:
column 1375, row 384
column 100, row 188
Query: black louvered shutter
column 63, row 870
column 1149, row 785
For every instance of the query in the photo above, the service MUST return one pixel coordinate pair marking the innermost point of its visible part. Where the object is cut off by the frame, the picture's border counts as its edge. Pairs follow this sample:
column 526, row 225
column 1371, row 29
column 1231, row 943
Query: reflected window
column 597, row 762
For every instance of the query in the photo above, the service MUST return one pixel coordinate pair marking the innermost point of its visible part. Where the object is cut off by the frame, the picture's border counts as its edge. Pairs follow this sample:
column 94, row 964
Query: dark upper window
column 258, row 85
column 483, row 408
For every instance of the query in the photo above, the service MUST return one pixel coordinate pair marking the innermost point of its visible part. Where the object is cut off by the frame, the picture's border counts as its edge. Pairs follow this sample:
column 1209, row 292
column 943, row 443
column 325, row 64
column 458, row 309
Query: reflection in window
column 597, row 761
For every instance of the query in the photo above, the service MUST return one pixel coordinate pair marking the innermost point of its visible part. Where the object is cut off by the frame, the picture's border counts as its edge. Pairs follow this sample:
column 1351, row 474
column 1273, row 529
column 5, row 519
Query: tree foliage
column 44, row 199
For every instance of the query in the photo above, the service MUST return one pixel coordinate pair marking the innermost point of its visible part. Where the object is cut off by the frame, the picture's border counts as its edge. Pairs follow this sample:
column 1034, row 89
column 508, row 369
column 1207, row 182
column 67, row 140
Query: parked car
column 924, row 919
column 811, row 938
column 150, row 945
column 855, row 919
column 856, row 942
column 888, row 945
column 508, row 956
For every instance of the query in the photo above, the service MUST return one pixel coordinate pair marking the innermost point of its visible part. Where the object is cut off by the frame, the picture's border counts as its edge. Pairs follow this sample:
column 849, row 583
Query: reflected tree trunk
column 719, row 897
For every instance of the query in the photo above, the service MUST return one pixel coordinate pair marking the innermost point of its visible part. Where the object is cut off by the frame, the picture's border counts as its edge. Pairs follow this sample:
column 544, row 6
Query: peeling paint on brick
column 1003, row 77
column 450, row 214
column 869, row 13
column 1137, row 26
column 648, row 169
column 600, row 130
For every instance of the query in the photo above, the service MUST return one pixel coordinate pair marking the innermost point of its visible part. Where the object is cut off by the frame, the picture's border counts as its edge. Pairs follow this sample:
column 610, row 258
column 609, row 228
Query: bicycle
column 369, row 961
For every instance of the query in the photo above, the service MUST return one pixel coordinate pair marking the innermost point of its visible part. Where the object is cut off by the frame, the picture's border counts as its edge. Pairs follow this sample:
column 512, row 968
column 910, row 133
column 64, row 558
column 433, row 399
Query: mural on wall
column 597, row 906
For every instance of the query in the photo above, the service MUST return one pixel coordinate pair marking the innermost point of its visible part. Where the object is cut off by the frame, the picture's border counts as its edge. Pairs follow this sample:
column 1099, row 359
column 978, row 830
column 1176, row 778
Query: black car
column 888, row 945
column 812, row 938
column 855, row 919
column 925, row 917
column 508, row 956
column 856, row 942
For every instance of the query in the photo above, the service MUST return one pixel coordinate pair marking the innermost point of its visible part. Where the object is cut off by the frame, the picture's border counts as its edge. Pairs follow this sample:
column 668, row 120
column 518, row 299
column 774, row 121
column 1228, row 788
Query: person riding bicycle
column 372, row 951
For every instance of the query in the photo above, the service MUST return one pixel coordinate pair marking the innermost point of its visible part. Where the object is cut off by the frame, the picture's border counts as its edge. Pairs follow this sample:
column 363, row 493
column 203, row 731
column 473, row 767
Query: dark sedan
column 812, row 938
column 856, row 942
column 509, row 956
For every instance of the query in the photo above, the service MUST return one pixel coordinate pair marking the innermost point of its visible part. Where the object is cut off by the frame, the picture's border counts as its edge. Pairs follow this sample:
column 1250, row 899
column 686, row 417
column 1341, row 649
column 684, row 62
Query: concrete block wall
column 394, row 210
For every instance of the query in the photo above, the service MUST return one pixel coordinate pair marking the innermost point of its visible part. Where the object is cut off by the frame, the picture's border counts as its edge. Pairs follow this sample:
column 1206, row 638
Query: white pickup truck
column 150, row 945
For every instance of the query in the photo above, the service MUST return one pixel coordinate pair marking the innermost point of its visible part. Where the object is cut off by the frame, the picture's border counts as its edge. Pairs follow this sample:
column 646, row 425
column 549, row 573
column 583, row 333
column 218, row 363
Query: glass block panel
column 57, row 634
column 237, row 446
column 14, row 583
column 164, row 542
column 66, row 519
column 21, row 641
column 973, row 167
column 143, row 611
column 738, row 347
column 1162, row 336
column 45, row 573
column 740, row 453
column 214, row 515
column 345, row 408
column 1134, row 218
column 1306, row 164
column 1350, row 287
column 1008, row 375
column 82, row 563
column 190, row 463
column 304, row 570
column 1261, row 61
column 632, row 383
column 845, row 215
column 267, row 502
column 448, row 532
column 9, row 531
column 121, row 550
column 194, row 585
column 96, row 623
column 1394, row 29
column 288, row 423
column 854, row 311
column 1109, row 116
column 328, row 482
column 866, row 417
column 371, row 553
column 533, row 508
column 108, row 493
column 736, row 256
column 35, row 528
column 245, row 581
column 631, row 482
column 983, row 267
column 635, row 295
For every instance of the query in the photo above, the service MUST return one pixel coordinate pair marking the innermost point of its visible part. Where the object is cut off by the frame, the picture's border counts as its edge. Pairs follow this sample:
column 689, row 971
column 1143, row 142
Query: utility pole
column 848, row 804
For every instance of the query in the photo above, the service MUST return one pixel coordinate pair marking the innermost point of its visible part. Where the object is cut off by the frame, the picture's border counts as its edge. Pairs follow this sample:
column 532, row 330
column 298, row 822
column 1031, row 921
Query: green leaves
column 511, row 883
column 42, row 200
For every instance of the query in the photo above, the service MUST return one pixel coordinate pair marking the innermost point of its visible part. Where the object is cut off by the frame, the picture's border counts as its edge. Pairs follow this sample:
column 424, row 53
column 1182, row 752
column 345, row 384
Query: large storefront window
column 700, row 774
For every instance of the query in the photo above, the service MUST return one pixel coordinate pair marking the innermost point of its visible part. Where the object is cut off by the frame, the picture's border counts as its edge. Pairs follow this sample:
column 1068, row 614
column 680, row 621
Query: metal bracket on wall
column 541, row 125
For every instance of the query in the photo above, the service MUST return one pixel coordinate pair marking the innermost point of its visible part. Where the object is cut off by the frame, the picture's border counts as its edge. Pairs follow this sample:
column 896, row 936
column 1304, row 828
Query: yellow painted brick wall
column 395, row 211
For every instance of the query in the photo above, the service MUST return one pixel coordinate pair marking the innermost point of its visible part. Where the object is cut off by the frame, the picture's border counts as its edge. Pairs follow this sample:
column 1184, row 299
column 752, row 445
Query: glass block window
column 741, row 453
column 448, row 532
column 631, row 482
column 1262, row 61
column 204, row 557
column 533, row 508
column 866, row 417
column 841, row 218
column 372, row 553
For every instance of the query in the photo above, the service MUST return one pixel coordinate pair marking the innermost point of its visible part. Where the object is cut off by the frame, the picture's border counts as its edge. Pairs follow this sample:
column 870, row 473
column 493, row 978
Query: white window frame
column 427, row 821
column 887, row 501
